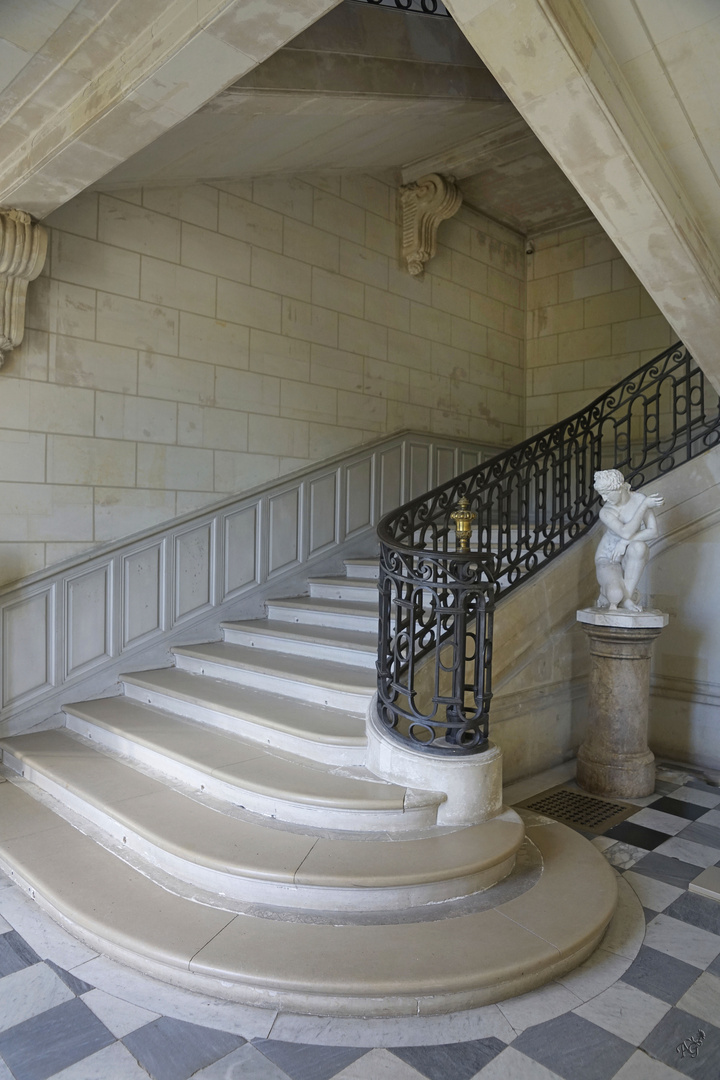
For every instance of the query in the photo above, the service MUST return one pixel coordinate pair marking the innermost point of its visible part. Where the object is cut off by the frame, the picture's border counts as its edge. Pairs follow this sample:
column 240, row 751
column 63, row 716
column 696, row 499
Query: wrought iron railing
column 531, row 503
column 415, row 7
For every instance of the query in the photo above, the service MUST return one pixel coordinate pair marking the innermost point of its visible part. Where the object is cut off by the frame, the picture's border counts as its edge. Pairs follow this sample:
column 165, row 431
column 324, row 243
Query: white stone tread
column 324, row 611
column 270, row 712
column 434, row 966
column 198, row 834
column 363, row 641
column 282, row 667
column 239, row 763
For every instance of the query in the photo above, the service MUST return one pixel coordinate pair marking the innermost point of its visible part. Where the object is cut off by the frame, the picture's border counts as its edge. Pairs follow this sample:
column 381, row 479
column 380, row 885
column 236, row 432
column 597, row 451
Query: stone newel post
column 615, row 758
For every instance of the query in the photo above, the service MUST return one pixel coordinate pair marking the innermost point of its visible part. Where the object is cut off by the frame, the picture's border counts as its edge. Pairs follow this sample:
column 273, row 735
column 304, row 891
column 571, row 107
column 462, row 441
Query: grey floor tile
column 573, row 1047
column 172, row 1049
column 76, row 985
column 700, row 785
column 703, row 833
column 714, row 968
column 46, row 1044
column 303, row 1062
column 29, row 992
column 114, row 1062
column 461, row 1061
column 698, row 910
column 15, row 953
column 672, row 871
column 660, row 975
column 687, row 1044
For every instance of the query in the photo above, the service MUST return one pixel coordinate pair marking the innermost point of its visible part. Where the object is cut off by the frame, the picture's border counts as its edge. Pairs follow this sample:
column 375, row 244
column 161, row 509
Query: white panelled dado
column 66, row 624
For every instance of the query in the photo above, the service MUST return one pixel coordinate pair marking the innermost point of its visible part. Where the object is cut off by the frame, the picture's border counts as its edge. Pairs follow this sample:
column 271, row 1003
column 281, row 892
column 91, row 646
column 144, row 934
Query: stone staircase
column 216, row 826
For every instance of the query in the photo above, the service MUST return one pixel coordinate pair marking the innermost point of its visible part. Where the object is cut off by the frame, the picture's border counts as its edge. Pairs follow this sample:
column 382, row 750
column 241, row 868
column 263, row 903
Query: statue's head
column 609, row 483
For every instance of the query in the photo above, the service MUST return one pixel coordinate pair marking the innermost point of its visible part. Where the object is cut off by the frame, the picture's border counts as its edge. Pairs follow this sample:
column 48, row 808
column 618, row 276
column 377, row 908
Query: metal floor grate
column 579, row 810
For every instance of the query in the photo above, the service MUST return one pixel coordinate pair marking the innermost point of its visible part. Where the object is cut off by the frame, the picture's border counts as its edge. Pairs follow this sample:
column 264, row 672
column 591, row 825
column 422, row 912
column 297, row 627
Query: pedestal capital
column 623, row 620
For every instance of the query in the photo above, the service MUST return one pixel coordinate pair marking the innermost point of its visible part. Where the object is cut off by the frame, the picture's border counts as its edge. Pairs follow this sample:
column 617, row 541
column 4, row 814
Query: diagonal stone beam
column 98, row 89
column 554, row 65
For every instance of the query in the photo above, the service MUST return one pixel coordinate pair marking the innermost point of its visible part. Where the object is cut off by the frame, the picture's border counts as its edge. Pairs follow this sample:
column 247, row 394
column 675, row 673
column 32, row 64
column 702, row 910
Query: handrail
column 531, row 502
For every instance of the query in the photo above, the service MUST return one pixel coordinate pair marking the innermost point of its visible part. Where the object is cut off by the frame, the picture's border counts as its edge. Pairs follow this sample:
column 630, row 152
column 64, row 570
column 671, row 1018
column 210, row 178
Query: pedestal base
column 615, row 759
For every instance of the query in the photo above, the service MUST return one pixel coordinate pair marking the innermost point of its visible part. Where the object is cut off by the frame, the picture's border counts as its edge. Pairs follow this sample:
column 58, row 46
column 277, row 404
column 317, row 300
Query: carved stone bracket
column 426, row 203
column 23, row 246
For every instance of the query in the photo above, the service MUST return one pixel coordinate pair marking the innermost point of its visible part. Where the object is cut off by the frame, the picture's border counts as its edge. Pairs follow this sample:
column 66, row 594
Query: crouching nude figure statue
column 623, row 549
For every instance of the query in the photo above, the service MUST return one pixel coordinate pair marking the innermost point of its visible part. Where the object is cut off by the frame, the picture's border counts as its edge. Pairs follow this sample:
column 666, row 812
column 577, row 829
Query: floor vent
column 579, row 810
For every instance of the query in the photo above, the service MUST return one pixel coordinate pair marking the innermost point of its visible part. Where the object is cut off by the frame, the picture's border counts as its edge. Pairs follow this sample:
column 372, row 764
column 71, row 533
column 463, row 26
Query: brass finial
column 463, row 518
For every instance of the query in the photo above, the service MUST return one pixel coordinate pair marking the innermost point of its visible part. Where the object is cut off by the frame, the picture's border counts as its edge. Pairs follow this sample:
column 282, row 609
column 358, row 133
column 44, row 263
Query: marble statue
column 623, row 549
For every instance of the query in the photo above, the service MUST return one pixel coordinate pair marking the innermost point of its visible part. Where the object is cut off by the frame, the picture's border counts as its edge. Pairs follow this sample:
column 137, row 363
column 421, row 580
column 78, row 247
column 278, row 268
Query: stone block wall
column 185, row 343
column 589, row 323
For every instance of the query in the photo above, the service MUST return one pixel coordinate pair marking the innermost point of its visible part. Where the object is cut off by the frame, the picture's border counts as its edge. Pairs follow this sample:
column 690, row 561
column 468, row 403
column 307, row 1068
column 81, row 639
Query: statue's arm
column 628, row 529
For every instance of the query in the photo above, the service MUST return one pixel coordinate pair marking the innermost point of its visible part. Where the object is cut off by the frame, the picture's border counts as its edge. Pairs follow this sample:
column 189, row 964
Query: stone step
column 363, row 568
column 325, row 643
column 363, row 590
column 322, row 967
column 250, row 860
column 314, row 611
column 319, row 733
column 244, row 774
column 302, row 678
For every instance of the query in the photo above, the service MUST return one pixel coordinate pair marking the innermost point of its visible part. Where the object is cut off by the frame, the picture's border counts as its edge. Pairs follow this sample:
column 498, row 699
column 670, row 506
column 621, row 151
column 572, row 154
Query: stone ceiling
column 368, row 89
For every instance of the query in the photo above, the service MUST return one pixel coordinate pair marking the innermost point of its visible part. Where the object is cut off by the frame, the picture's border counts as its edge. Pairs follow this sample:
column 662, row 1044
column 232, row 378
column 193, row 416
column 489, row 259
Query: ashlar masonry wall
column 185, row 343
column 589, row 323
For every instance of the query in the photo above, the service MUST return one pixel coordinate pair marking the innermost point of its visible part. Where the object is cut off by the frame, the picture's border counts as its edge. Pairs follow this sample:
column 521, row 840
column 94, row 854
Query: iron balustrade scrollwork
column 413, row 7
column 532, row 501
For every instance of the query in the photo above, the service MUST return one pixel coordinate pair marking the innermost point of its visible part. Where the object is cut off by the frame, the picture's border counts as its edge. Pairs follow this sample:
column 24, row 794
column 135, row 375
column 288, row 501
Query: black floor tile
column 460, row 1061
column 54, row 1040
column 687, row 811
column 637, row 835
column 573, row 1047
column 303, row 1062
column 714, row 968
column 672, row 871
column 660, row 975
column 687, row 1044
column 172, row 1049
column 76, row 985
column 698, row 910
column 15, row 953
column 702, row 834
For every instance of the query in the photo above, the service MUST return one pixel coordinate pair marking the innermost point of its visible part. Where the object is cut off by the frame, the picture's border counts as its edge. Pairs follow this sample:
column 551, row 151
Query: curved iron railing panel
column 531, row 502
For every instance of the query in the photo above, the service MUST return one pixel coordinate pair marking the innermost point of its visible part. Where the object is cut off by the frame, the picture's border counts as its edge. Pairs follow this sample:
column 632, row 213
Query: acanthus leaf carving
column 425, row 203
column 23, row 247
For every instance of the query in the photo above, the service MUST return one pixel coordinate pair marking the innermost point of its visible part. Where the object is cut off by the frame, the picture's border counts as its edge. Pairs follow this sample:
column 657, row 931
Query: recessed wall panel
column 240, row 550
column 284, row 539
column 391, row 480
column 88, row 619
column 468, row 460
column 323, row 512
column 28, row 643
column 444, row 465
column 193, row 571
column 143, row 592
column 358, row 513
column 420, row 480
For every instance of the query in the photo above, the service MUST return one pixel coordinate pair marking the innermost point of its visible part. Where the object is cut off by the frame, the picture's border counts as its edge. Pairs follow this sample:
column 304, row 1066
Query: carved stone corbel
column 23, row 246
column 426, row 203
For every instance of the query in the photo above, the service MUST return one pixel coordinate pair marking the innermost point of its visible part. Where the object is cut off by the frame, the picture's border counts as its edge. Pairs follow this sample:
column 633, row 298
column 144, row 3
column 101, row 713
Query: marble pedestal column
column 615, row 758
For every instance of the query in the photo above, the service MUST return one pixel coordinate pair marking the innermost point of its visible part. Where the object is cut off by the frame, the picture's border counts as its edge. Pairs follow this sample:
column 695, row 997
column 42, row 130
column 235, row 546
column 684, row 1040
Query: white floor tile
column 711, row 818
column 602, row 843
column 379, row 1065
column 113, row 1061
column 512, row 1065
column 683, row 941
column 245, row 1063
column 656, row 819
column 656, row 895
column 703, row 998
column 42, row 934
column 642, row 1067
column 117, row 1015
column 4, row 925
column 688, row 851
column 700, row 798
column 625, row 1011
column 540, row 1005
column 623, row 856
column 29, row 992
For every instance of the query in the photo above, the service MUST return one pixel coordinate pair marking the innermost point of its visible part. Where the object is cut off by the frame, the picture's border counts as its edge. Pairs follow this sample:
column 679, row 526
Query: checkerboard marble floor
column 68, row 1014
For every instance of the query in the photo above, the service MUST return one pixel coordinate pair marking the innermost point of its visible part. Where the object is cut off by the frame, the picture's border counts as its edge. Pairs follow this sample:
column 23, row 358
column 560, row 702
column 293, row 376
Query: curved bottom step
column 319, row 967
